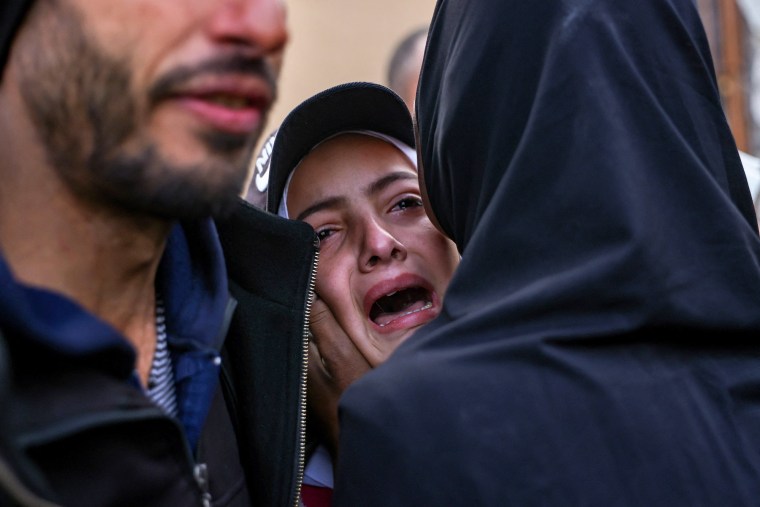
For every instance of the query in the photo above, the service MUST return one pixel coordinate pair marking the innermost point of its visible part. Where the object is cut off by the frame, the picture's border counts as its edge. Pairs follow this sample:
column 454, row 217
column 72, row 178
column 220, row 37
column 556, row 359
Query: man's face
column 383, row 267
column 151, row 105
column 413, row 67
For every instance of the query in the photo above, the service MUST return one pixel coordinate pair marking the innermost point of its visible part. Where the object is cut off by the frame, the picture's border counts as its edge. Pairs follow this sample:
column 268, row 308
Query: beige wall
column 336, row 41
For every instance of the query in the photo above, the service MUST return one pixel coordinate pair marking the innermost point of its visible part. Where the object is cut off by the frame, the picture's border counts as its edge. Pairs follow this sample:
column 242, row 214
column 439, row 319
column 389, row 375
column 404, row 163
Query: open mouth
column 230, row 101
column 399, row 304
column 234, row 112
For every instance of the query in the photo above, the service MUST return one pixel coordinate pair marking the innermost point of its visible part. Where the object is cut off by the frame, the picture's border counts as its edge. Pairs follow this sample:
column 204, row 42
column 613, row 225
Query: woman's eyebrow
column 330, row 202
column 373, row 188
column 381, row 183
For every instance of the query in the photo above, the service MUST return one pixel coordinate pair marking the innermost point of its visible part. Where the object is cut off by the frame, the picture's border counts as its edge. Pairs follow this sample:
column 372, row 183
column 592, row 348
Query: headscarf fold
column 598, row 344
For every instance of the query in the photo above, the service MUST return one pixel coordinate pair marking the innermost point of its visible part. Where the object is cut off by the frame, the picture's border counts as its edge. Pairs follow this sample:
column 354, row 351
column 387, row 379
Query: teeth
column 391, row 293
column 427, row 306
column 233, row 102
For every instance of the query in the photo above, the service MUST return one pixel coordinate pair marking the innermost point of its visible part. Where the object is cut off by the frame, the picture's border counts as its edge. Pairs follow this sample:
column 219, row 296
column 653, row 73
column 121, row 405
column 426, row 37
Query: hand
column 334, row 363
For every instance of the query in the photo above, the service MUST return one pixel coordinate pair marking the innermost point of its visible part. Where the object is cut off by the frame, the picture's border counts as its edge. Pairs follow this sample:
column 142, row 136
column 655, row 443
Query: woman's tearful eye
column 323, row 234
column 407, row 203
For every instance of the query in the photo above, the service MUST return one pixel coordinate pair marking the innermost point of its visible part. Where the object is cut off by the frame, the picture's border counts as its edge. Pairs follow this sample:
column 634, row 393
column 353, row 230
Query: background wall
column 336, row 41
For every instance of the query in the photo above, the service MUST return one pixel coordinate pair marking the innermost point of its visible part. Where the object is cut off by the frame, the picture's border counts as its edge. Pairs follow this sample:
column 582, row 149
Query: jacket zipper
column 200, row 470
column 304, row 372
column 200, row 473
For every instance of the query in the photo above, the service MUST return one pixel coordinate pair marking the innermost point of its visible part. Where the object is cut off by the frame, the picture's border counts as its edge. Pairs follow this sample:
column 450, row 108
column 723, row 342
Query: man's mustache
column 174, row 79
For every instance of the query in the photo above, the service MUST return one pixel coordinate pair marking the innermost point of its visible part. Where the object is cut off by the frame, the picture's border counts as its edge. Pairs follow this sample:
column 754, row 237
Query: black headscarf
column 600, row 341
column 11, row 14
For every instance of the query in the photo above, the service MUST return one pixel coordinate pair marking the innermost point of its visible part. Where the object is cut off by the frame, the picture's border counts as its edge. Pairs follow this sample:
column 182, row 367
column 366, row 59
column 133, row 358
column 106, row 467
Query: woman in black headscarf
column 600, row 341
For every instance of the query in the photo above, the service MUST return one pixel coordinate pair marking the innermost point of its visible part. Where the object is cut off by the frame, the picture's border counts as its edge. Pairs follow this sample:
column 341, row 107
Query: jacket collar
column 191, row 278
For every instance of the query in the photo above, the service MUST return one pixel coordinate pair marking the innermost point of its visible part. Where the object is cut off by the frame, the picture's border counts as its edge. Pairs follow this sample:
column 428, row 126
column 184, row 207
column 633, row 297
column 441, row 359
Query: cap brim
column 346, row 107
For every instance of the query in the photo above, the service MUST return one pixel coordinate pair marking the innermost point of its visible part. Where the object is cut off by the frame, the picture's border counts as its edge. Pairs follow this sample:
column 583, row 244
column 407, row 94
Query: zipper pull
column 200, row 472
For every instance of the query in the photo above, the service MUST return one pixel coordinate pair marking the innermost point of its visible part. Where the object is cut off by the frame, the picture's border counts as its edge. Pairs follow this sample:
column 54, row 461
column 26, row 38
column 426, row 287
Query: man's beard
column 86, row 116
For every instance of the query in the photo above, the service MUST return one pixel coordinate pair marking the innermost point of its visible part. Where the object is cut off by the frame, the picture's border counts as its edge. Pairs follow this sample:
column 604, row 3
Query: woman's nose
column 379, row 246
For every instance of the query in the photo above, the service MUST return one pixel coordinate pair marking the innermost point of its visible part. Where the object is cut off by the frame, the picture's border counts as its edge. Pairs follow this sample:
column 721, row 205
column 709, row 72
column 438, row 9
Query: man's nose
column 260, row 24
column 379, row 246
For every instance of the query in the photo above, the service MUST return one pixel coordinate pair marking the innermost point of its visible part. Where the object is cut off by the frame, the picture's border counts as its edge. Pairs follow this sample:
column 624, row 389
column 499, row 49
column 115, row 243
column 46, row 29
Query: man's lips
column 401, row 303
column 234, row 106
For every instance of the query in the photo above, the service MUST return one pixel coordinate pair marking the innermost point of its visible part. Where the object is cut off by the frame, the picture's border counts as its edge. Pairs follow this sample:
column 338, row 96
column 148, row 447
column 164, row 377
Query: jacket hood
column 589, row 179
column 11, row 15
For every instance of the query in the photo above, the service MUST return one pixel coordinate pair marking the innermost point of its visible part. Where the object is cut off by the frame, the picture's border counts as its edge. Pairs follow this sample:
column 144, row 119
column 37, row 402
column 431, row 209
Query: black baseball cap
column 343, row 108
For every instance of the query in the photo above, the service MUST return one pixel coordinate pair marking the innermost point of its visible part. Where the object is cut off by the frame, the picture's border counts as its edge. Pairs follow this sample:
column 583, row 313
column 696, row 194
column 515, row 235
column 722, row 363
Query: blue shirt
column 192, row 278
